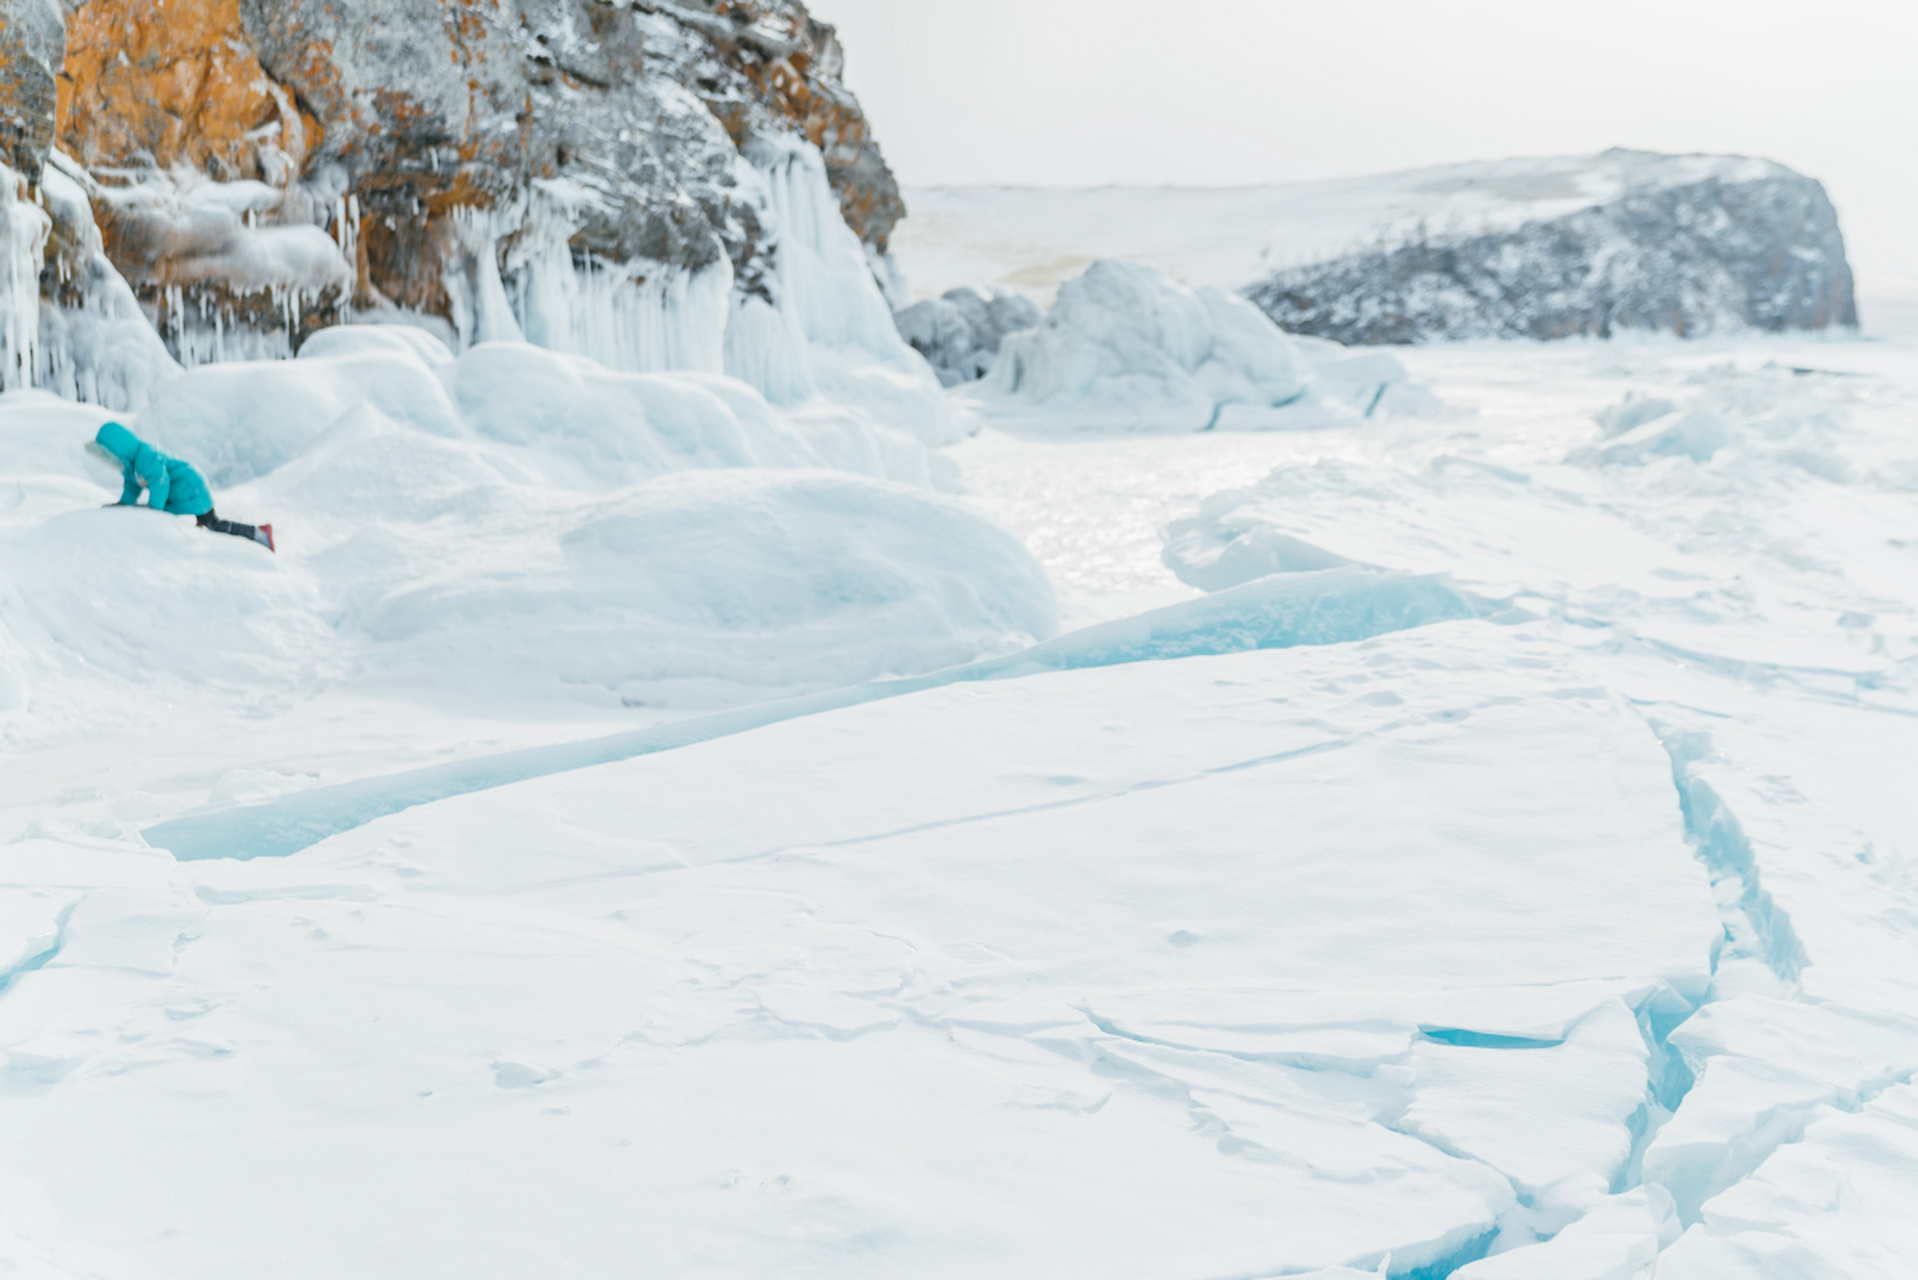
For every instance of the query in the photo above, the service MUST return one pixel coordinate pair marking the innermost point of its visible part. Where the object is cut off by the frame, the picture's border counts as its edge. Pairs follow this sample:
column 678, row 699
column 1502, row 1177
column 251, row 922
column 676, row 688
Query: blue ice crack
column 1330, row 606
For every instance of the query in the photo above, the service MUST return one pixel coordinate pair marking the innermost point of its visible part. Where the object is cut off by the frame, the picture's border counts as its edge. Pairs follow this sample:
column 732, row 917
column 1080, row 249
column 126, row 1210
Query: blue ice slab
column 1328, row 607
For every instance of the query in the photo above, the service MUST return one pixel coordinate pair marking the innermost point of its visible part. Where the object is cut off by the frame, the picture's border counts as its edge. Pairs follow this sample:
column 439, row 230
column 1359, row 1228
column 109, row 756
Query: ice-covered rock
column 1125, row 347
column 1687, row 245
column 676, row 187
column 960, row 332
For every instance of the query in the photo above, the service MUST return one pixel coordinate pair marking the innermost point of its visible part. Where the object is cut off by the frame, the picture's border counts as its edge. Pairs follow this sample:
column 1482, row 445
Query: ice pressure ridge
column 1313, row 609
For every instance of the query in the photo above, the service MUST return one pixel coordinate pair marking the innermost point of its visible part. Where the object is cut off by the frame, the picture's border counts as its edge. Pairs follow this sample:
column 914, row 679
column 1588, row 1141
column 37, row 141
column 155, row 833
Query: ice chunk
column 1329, row 606
column 1635, row 410
column 1125, row 347
column 1696, row 435
column 1739, row 1111
column 1855, row 1051
column 1834, row 1205
column 1231, row 541
column 1542, row 1114
column 1619, row 1238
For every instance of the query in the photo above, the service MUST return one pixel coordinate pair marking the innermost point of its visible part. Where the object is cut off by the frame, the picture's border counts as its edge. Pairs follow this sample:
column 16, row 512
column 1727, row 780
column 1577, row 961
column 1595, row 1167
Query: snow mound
column 1125, row 347
column 775, row 579
column 564, row 418
column 139, row 605
column 1231, row 542
column 516, row 519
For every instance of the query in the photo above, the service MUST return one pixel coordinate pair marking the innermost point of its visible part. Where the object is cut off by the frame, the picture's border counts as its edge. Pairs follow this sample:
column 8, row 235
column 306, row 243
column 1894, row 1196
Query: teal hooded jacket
column 171, row 484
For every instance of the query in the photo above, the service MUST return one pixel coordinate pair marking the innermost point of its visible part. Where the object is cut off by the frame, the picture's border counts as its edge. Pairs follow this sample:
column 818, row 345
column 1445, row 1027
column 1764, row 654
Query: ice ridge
column 1328, row 607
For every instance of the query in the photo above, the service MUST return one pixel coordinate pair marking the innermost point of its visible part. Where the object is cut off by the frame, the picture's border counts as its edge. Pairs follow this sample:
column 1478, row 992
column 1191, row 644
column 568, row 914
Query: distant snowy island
column 1522, row 248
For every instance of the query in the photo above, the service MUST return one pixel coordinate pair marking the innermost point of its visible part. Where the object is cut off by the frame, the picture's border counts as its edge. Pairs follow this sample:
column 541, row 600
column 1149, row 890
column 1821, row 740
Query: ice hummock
column 514, row 518
column 1125, row 348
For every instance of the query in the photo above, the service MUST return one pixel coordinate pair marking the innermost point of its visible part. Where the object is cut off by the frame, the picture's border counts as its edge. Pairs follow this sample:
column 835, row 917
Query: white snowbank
column 1125, row 348
column 515, row 518
column 698, row 583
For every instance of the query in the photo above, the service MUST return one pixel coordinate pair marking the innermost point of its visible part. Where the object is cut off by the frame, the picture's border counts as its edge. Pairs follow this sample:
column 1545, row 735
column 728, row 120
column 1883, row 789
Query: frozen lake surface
column 1519, row 883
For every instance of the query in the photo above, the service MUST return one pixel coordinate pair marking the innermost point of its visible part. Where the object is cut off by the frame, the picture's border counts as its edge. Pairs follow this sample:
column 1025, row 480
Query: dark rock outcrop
column 959, row 334
column 32, row 47
column 1742, row 250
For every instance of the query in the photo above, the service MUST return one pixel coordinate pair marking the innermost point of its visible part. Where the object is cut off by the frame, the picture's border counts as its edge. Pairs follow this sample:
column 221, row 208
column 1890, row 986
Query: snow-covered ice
column 1472, row 839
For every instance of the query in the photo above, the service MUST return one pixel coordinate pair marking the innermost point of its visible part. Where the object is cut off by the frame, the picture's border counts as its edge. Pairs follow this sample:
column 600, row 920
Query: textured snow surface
column 1465, row 844
column 1071, row 916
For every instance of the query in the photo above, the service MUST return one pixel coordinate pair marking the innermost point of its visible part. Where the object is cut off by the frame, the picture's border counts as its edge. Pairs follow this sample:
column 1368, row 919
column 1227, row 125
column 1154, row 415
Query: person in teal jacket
column 172, row 485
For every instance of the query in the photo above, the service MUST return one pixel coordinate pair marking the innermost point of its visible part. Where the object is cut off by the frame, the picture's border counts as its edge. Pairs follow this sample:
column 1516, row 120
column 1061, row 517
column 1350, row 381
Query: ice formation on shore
column 1125, row 348
column 513, row 515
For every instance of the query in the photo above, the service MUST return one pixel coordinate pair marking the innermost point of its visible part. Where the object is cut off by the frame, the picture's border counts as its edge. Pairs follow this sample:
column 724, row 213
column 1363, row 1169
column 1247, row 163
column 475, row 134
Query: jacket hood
column 118, row 441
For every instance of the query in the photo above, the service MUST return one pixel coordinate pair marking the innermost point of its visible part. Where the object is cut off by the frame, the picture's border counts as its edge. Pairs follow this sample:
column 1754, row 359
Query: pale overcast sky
column 1230, row 92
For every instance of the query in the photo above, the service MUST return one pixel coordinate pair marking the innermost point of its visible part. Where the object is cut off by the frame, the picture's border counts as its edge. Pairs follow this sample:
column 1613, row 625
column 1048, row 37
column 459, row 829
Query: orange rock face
column 412, row 134
column 176, row 84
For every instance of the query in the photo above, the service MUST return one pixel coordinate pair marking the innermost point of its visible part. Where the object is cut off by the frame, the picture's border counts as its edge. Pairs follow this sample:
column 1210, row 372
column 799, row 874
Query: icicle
column 23, row 243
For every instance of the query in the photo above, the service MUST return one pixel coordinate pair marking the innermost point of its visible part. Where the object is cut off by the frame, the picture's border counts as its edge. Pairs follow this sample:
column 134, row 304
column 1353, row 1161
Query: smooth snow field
column 636, row 828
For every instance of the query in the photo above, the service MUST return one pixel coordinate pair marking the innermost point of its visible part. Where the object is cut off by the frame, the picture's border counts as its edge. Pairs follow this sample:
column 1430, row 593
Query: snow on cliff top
column 1031, row 239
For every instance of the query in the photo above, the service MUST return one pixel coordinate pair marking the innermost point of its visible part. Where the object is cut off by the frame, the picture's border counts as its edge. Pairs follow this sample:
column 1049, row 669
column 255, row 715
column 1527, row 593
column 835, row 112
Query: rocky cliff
column 597, row 175
column 1688, row 245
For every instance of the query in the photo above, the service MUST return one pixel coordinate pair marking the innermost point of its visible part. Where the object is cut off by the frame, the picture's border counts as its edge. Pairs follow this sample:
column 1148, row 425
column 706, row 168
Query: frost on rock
column 602, row 201
column 960, row 332
column 1688, row 245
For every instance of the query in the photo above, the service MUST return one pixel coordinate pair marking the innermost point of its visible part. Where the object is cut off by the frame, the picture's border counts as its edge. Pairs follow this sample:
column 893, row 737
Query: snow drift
column 515, row 518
